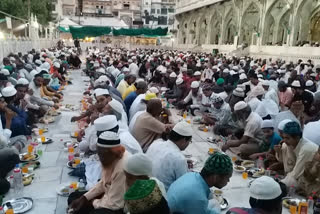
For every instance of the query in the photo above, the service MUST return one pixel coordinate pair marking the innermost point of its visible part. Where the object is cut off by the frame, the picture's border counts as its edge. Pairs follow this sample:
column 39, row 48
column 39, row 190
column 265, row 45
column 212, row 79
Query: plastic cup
column 43, row 139
column 41, row 132
column 77, row 161
column 71, row 149
column 293, row 209
column 76, row 134
column 245, row 175
column 30, row 149
column 189, row 121
column 234, row 159
column 211, row 150
column 74, row 185
column 184, row 115
column 25, row 170
column 205, row 129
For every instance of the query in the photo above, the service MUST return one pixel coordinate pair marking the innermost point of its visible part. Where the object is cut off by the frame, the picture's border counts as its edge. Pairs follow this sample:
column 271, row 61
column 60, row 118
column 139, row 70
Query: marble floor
column 53, row 170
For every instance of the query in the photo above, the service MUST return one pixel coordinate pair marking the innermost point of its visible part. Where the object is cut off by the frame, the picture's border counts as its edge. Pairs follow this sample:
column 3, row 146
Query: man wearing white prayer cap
column 302, row 95
column 192, row 100
column 266, row 196
column 139, row 167
column 270, row 93
column 5, row 72
column 249, row 143
column 112, row 185
column 168, row 162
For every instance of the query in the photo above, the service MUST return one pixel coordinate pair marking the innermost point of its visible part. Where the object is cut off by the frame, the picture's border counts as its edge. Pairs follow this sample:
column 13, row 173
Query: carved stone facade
column 251, row 22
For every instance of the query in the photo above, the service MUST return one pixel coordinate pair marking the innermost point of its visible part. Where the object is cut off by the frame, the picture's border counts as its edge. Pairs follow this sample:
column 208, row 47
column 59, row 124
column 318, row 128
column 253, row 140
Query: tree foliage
column 41, row 8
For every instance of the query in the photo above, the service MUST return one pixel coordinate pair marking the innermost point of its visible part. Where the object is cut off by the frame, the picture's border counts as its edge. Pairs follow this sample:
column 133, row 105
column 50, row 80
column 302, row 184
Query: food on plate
column 239, row 168
column 248, row 163
column 290, row 202
column 28, row 157
column 238, row 162
column 26, row 180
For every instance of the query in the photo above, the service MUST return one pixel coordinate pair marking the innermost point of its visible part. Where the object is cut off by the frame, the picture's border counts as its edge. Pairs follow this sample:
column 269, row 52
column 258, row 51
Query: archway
column 250, row 25
column 203, row 25
column 215, row 28
column 230, row 30
column 315, row 27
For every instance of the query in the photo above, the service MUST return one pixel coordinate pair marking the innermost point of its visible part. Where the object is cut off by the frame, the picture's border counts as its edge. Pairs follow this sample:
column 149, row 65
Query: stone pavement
column 53, row 170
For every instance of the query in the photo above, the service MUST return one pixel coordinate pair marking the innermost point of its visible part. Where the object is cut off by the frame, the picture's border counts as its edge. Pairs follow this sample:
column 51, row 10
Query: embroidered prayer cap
column 179, row 81
column 38, row 62
column 283, row 123
column 5, row 72
column 8, row 91
column 238, row 92
column 292, row 128
column 217, row 99
column 296, row 84
column 154, row 90
column 226, row 71
column 265, row 188
column 219, row 164
column 142, row 196
column 116, row 105
column 183, row 128
column 22, row 81
column 195, row 84
column 46, row 76
column 108, row 140
column 265, row 83
column 240, row 105
column 309, row 83
column 138, row 164
column 220, row 81
column 105, row 123
column 197, row 73
column 267, row 124
column 173, row 75
column 56, row 64
column 150, row 96
column 101, row 70
column 100, row 91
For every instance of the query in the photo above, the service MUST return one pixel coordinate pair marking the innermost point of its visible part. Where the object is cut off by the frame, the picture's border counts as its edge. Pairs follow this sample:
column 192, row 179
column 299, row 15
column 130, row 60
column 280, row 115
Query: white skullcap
column 267, row 124
column 241, row 71
column 198, row 64
column 197, row 73
column 309, row 83
column 103, row 78
column 215, row 67
column 38, row 62
column 179, row 81
column 125, row 69
column 22, row 81
column 240, row 105
column 235, row 68
column 8, row 91
column 105, row 123
column 195, row 84
column 101, row 70
column 56, row 64
column 310, row 134
column 283, row 123
column 243, row 76
column 33, row 73
column 100, row 91
column 5, row 72
column 296, row 84
column 116, row 106
column 232, row 72
column 130, row 61
column 265, row 188
column 138, row 164
column 183, row 128
column 239, row 92
column 12, row 58
column 154, row 90
column 260, row 76
column 96, row 65
column 173, row 75
column 108, row 140
column 226, row 71
column 265, row 83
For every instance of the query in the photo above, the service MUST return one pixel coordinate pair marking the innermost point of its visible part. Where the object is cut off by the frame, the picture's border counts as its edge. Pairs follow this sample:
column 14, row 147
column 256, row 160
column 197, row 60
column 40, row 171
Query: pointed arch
column 250, row 24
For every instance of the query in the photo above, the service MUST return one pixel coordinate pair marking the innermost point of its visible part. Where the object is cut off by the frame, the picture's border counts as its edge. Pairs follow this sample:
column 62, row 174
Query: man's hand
column 169, row 127
column 225, row 147
column 77, row 204
column 56, row 106
column 277, row 148
column 9, row 114
column 74, row 119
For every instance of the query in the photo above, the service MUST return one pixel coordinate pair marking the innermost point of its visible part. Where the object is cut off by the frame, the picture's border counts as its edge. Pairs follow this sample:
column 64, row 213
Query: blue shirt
column 274, row 140
column 129, row 100
column 189, row 195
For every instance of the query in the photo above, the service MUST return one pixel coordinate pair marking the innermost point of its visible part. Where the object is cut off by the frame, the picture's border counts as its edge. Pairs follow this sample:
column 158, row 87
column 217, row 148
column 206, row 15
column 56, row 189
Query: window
column 170, row 10
column 126, row 6
column 162, row 20
column 164, row 11
column 158, row 11
column 153, row 11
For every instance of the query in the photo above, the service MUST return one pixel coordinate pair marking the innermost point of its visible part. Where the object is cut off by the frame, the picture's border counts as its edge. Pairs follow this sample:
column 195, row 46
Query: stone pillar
column 222, row 31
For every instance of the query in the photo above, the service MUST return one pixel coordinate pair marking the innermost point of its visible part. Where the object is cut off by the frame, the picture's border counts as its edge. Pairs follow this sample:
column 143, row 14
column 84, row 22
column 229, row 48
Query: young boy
column 271, row 138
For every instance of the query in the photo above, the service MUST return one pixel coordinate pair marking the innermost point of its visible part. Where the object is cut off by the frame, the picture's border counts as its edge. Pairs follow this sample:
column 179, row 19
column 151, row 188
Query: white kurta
column 137, row 106
column 168, row 162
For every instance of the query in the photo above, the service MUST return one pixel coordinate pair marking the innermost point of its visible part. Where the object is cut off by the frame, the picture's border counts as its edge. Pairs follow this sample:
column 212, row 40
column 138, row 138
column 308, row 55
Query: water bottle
column 1, row 210
column 310, row 205
column 17, row 181
column 292, row 190
column 260, row 163
column 39, row 149
column 81, row 186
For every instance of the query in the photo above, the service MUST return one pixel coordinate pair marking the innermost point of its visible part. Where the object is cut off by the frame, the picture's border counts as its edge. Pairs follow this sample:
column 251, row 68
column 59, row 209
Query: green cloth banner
column 89, row 31
column 92, row 31
column 2, row 20
column 63, row 29
column 141, row 31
